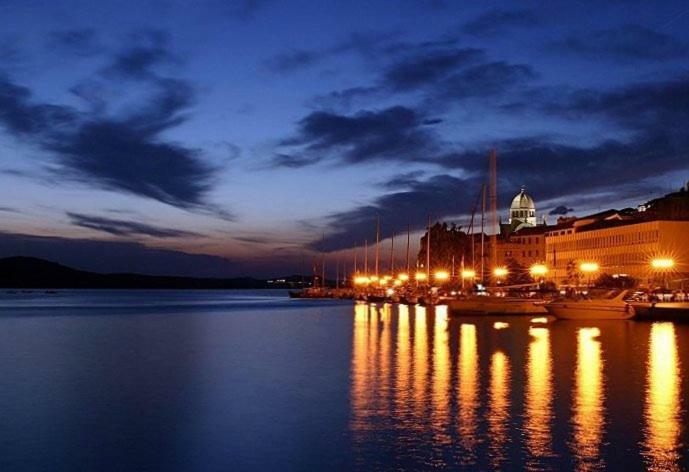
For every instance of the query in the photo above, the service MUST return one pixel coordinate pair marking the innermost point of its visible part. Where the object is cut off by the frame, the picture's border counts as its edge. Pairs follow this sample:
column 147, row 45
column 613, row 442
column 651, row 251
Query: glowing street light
column 403, row 277
column 468, row 274
column 538, row 270
column 589, row 267
column 420, row 276
column 500, row 272
column 397, row 283
column 662, row 264
column 361, row 280
column 441, row 275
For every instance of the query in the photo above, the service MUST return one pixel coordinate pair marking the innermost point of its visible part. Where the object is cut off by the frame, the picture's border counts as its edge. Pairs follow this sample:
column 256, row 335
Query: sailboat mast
column 483, row 233
column 337, row 273
column 392, row 254
column 323, row 262
column 366, row 257
column 493, row 210
column 428, row 252
column 408, row 241
column 377, row 244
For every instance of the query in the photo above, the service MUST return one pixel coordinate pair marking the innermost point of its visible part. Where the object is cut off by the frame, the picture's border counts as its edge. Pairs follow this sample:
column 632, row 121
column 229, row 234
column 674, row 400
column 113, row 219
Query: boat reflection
column 538, row 396
column 421, row 369
column 588, row 410
column 467, row 392
column 662, row 412
column 498, row 408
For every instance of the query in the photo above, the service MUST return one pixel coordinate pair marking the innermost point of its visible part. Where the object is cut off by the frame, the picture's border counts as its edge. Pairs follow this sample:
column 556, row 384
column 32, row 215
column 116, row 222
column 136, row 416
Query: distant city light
column 441, row 275
column 589, row 267
column 397, row 283
column 500, row 325
column 500, row 272
column 361, row 280
column 662, row 263
column 468, row 274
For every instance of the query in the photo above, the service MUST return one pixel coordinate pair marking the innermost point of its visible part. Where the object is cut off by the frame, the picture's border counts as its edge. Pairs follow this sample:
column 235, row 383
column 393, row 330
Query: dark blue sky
column 132, row 136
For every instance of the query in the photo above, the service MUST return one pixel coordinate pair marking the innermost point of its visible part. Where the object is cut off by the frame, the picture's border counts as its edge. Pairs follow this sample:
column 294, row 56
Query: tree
column 447, row 242
column 517, row 274
column 608, row 281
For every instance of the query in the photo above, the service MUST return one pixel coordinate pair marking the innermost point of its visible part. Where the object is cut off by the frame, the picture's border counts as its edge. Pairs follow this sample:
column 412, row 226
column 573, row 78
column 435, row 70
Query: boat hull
column 590, row 311
column 662, row 310
column 488, row 306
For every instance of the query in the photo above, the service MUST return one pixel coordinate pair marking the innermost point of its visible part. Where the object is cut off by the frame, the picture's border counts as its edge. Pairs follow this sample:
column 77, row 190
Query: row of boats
column 596, row 304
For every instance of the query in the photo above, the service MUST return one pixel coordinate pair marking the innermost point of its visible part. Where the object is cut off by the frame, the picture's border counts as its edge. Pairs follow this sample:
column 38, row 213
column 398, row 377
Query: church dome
column 522, row 201
column 522, row 210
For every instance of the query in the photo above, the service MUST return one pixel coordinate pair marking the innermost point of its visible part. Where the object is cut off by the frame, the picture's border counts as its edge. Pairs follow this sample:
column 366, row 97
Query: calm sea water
column 241, row 380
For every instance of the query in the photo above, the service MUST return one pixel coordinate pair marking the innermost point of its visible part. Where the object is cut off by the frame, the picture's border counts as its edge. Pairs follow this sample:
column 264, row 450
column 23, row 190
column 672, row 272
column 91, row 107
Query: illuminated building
column 619, row 245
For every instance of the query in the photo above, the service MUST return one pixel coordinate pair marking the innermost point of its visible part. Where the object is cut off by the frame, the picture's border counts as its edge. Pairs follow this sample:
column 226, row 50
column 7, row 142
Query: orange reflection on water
column 421, row 368
column 498, row 413
column 468, row 388
column 539, row 394
column 360, row 365
column 440, row 395
column 662, row 400
column 588, row 400
column 385, row 351
column 404, row 360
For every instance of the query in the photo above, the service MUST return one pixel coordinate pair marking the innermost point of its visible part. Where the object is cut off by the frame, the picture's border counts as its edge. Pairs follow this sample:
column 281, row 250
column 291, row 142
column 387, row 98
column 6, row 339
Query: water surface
column 250, row 380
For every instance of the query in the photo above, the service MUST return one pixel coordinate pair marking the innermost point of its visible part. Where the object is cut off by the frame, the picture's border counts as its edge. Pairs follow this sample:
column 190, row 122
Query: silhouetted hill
column 30, row 272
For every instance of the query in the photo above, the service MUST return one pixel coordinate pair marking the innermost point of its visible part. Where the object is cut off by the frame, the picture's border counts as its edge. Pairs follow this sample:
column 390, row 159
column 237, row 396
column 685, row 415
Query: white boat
column 491, row 305
column 611, row 305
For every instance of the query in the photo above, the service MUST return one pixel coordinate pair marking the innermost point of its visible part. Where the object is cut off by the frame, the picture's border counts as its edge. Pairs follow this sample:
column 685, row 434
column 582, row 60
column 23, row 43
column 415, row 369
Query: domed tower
column 522, row 210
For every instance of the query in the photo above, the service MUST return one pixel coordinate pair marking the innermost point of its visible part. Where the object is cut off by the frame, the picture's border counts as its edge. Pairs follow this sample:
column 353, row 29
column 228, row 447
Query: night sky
column 226, row 138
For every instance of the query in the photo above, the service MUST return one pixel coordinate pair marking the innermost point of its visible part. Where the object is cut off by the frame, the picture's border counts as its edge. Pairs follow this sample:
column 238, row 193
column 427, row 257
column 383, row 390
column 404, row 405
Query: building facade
column 620, row 247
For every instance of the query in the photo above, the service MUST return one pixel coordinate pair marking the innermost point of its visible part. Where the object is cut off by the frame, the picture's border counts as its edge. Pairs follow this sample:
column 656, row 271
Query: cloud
column 625, row 43
column 437, row 197
column 496, row 21
column 117, row 153
column 244, row 9
column 149, row 48
column 395, row 133
column 400, row 181
column 82, row 42
column 417, row 70
column 364, row 43
column 560, row 210
column 119, row 227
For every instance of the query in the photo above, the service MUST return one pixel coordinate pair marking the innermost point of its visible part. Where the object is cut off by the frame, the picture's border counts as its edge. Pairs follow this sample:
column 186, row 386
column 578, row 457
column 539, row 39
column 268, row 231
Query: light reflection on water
column 662, row 400
column 588, row 410
column 533, row 397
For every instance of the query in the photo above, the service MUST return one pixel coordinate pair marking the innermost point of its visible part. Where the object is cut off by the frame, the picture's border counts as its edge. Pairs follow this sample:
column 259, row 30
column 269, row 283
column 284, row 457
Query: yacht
column 494, row 305
column 610, row 305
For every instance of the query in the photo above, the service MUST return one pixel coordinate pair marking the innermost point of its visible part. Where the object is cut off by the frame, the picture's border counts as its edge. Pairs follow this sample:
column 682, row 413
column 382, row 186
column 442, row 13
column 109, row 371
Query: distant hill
column 30, row 272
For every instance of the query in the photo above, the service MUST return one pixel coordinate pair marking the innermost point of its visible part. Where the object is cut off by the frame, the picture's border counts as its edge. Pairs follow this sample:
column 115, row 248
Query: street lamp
column 538, row 271
column 663, row 265
column 441, row 276
column 420, row 276
column 500, row 273
column 589, row 268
